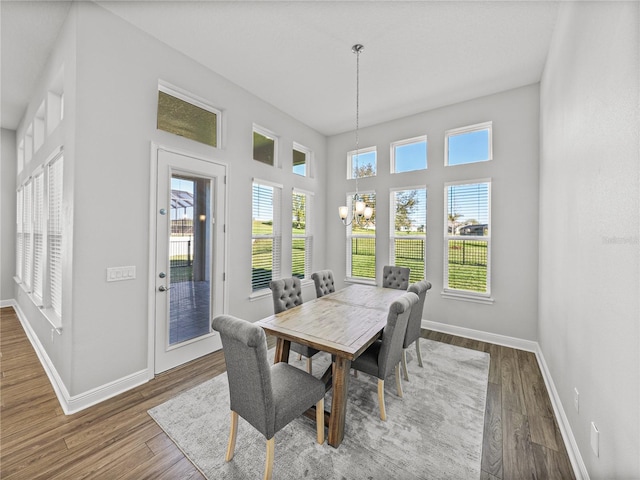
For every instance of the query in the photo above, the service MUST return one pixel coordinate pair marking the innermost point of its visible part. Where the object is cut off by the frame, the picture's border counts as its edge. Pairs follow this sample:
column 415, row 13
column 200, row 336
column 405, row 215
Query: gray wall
column 589, row 229
column 514, row 209
column 7, row 215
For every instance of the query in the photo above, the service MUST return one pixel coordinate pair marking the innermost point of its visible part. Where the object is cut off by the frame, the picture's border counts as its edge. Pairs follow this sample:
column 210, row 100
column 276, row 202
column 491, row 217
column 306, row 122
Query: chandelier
column 360, row 212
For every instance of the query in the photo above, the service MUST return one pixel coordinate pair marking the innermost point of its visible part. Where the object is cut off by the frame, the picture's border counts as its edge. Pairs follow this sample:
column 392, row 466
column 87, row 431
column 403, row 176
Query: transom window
column 467, row 232
column 264, row 146
column 363, row 164
column 469, row 144
column 301, row 159
column 409, row 155
column 407, row 243
column 181, row 114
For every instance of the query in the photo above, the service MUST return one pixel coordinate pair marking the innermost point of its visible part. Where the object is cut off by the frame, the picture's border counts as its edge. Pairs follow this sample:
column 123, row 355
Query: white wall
column 8, row 165
column 589, row 229
column 107, row 176
column 514, row 209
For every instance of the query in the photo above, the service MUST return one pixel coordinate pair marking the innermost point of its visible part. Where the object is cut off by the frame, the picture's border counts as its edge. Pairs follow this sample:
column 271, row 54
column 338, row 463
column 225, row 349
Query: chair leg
column 404, row 364
column 383, row 412
column 268, row 468
column 418, row 352
column 309, row 366
column 232, row 436
column 320, row 421
column 398, row 380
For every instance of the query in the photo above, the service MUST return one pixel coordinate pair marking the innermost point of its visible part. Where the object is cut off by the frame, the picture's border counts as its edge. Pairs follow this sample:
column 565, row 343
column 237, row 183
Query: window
column 180, row 114
column 54, row 234
column 468, row 237
column 265, row 234
column 468, row 144
column 19, row 233
column 301, row 245
column 363, row 164
column 38, row 236
column 27, row 238
column 408, row 230
column 409, row 155
column 264, row 146
column 301, row 156
column 361, row 242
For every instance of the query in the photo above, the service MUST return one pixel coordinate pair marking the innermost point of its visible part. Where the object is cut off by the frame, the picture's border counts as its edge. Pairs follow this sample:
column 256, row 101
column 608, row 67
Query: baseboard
column 74, row 403
column 520, row 344
column 7, row 303
column 579, row 468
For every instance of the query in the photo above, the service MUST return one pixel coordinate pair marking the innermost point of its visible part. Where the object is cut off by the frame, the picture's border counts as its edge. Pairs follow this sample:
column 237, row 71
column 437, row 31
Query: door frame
column 151, row 274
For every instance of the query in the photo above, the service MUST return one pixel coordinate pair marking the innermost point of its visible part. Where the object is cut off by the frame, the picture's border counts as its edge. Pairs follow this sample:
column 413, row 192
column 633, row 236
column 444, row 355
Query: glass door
column 189, row 257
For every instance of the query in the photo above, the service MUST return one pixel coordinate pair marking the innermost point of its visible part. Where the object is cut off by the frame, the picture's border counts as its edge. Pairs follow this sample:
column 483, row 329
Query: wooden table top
column 343, row 323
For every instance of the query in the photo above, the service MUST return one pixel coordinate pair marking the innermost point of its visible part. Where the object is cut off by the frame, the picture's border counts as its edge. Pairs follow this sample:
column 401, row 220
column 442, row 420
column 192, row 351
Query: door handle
column 162, row 288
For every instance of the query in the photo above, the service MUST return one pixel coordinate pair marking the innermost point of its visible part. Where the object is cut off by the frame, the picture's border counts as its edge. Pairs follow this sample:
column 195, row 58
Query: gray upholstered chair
column 287, row 293
column 323, row 280
column 384, row 355
column 415, row 321
column 395, row 277
column 268, row 397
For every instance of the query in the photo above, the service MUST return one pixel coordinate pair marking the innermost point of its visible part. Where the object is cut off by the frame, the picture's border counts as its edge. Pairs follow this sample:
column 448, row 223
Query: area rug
column 433, row 432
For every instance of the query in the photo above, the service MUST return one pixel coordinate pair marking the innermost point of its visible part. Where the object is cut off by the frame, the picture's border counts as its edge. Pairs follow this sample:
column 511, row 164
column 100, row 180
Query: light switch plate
column 116, row 274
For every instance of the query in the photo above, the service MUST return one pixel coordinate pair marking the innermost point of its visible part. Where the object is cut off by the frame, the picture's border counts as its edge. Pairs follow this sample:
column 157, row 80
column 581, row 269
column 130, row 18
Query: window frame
column 271, row 136
column 308, row 233
column 456, row 293
column 186, row 97
column 477, row 127
column 308, row 155
column 405, row 142
column 54, row 229
column 275, row 236
column 361, row 151
column 392, row 230
column 350, row 236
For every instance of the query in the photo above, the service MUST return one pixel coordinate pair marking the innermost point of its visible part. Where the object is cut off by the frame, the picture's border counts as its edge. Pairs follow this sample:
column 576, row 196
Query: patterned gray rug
column 433, row 432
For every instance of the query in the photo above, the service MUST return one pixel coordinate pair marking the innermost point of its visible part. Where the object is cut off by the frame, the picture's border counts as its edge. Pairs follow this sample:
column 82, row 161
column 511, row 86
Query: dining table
column 343, row 323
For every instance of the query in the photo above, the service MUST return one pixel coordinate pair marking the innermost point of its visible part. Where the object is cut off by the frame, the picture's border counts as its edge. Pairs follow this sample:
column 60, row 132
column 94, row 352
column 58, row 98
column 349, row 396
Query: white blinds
column 38, row 234
column 55, row 234
column 266, row 234
column 27, row 229
column 301, row 238
column 19, row 233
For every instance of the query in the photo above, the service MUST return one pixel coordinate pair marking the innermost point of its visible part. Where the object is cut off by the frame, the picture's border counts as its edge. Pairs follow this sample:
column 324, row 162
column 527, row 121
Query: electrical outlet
column 576, row 399
column 595, row 439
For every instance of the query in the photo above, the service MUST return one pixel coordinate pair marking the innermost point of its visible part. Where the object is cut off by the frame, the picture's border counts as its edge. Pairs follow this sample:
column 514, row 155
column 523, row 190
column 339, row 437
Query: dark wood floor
column 118, row 440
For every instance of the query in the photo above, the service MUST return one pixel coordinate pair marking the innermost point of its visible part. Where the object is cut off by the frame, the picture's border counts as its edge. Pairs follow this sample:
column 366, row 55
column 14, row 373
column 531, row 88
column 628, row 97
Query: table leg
column 339, row 401
column 282, row 350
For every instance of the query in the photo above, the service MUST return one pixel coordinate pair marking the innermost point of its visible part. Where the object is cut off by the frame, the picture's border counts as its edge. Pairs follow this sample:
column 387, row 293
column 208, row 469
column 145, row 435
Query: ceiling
column 297, row 55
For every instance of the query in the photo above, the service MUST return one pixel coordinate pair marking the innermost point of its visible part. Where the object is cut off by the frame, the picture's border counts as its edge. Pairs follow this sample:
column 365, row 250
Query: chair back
column 415, row 319
column 323, row 280
column 395, row 277
column 248, row 371
column 393, row 335
column 287, row 293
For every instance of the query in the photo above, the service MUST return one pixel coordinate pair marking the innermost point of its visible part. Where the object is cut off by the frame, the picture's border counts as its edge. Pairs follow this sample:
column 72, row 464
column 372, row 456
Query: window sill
column 48, row 313
column 266, row 292
column 362, row 281
column 258, row 294
column 486, row 300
